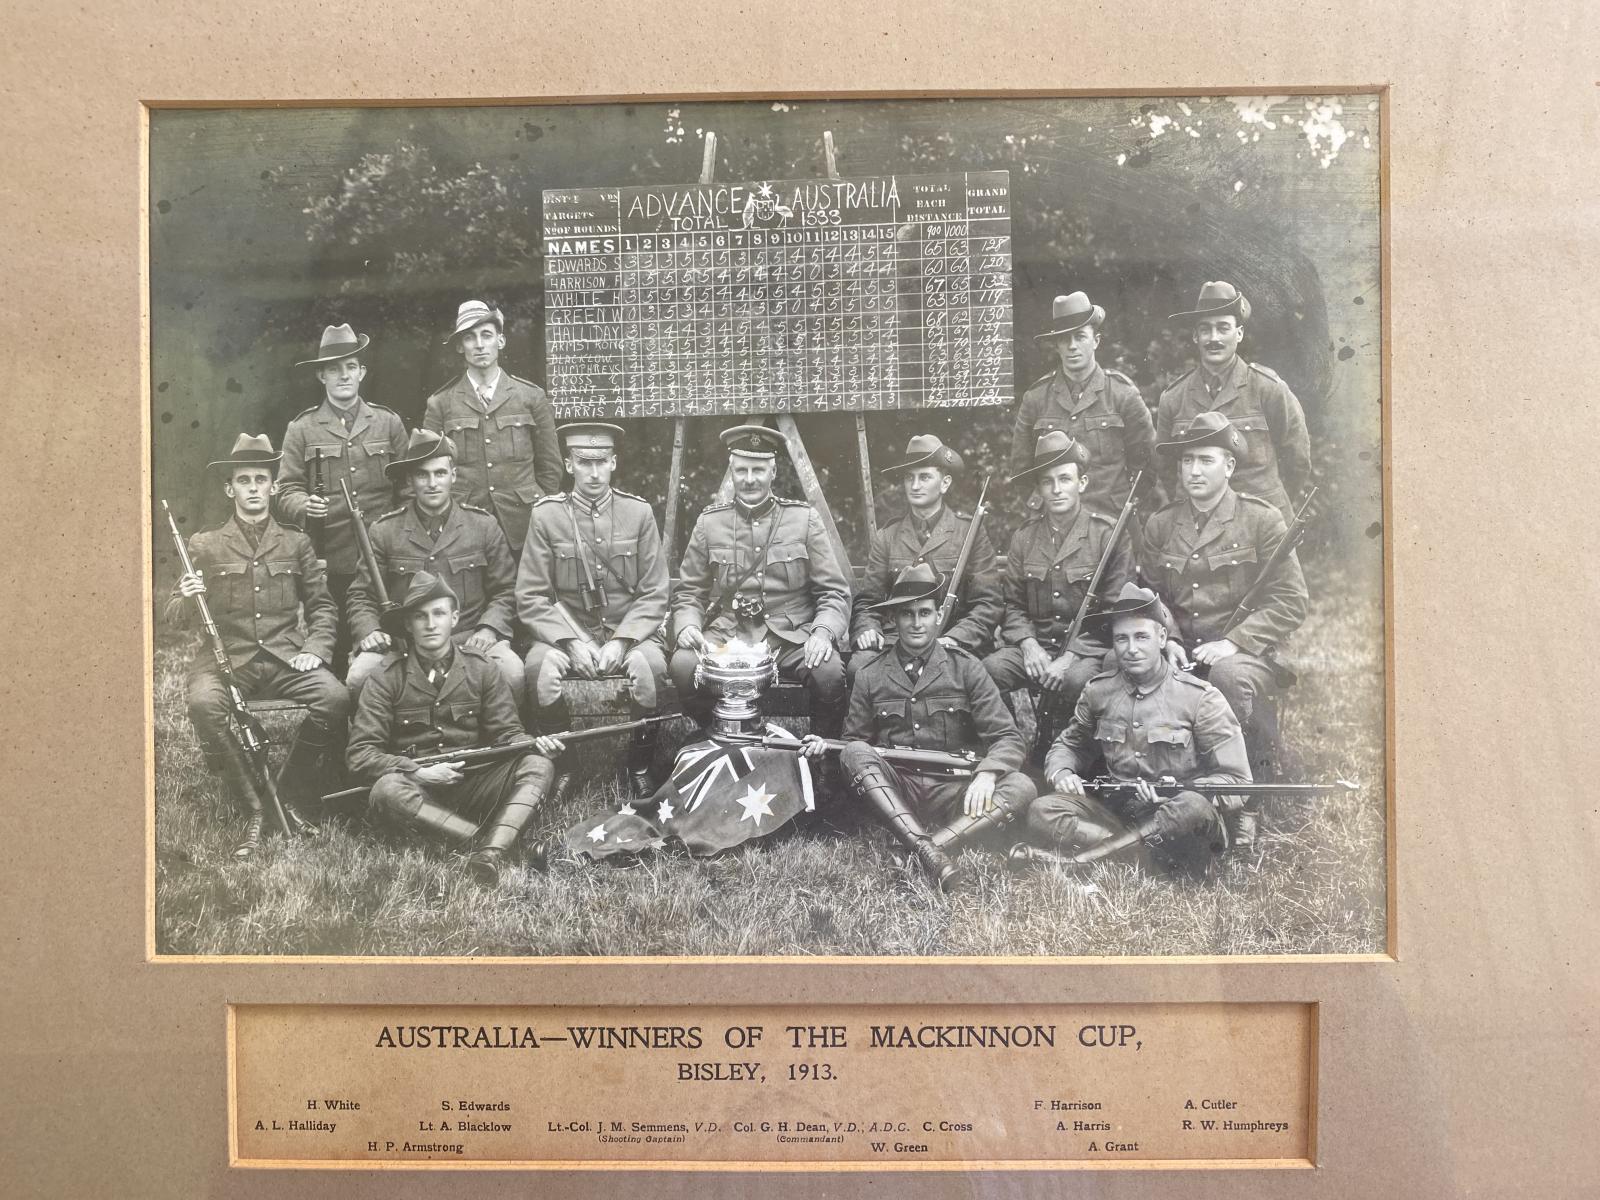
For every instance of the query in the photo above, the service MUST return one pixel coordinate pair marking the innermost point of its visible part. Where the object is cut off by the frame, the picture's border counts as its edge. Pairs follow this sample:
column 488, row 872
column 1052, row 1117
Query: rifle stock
column 317, row 478
column 947, row 608
column 1093, row 589
column 369, row 559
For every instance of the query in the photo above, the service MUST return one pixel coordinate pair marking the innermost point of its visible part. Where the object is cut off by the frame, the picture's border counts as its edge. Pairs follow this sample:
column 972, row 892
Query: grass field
column 836, row 888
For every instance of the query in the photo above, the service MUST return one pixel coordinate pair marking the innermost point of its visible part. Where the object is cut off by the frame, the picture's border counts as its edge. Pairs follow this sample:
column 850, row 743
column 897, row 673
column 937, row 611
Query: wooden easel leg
column 870, row 509
column 669, row 536
column 811, row 485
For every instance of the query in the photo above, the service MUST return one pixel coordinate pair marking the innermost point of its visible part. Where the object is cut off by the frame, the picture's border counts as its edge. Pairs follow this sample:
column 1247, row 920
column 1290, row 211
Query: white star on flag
column 666, row 813
column 757, row 803
column 597, row 834
column 627, row 810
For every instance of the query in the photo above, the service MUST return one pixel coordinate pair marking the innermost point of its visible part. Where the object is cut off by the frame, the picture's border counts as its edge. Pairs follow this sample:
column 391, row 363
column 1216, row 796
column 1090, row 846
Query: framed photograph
column 861, row 600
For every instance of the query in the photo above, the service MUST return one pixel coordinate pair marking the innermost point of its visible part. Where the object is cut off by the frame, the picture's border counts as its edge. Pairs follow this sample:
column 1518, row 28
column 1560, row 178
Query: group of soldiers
column 491, row 588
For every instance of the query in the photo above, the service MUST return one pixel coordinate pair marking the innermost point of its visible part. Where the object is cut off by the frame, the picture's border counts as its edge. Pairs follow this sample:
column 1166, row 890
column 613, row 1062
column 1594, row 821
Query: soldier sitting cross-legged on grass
column 438, row 697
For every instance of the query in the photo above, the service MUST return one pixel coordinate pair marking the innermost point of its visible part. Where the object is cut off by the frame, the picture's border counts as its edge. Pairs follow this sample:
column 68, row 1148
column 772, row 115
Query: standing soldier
column 1203, row 553
column 344, row 438
column 1274, row 461
column 434, row 698
column 458, row 542
column 258, row 575
column 1148, row 722
column 773, row 550
column 1049, row 564
column 504, row 427
column 930, row 532
column 1101, row 410
column 922, row 695
column 592, row 587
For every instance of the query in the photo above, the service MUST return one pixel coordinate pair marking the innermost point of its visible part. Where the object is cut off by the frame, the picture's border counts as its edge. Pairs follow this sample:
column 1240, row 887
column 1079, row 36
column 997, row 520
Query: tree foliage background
column 268, row 224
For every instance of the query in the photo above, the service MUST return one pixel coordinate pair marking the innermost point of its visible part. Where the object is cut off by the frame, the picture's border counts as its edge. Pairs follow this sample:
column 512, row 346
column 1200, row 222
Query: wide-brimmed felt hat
column 755, row 441
column 1070, row 312
column 423, row 445
column 1207, row 429
column 1133, row 601
column 1051, row 450
column 926, row 450
column 249, row 450
column 339, row 342
column 916, row 582
column 425, row 587
column 589, row 435
column 1218, row 298
column 473, row 313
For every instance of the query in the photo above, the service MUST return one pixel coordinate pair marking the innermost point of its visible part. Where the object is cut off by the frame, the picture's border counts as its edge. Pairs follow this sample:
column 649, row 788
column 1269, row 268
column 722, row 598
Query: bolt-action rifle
column 478, row 756
column 937, row 762
column 242, row 723
column 369, row 559
column 1119, row 788
column 317, row 477
column 947, row 608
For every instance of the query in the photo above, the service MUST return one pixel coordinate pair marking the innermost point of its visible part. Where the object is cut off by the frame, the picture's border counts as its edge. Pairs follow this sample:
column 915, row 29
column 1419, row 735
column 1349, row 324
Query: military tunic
column 618, row 542
column 1276, row 464
column 780, row 552
column 1045, row 581
column 402, row 716
column 507, row 452
column 357, row 455
column 1203, row 574
column 256, row 594
column 901, row 544
column 1109, row 417
column 946, row 701
column 1178, row 726
column 469, row 553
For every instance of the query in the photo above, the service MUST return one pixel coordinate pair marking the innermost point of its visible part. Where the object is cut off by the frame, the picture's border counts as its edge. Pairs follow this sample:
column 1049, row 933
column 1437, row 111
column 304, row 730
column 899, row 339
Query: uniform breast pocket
column 722, row 566
column 283, row 584
column 397, row 573
column 788, row 566
column 516, row 435
column 1257, row 438
column 564, row 568
column 229, row 584
column 1110, row 732
column 324, row 458
column 464, row 432
column 948, row 720
column 1170, row 748
column 378, row 452
column 415, row 731
column 467, row 570
column 1233, row 569
column 624, row 560
column 1102, row 433
column 1036, row 589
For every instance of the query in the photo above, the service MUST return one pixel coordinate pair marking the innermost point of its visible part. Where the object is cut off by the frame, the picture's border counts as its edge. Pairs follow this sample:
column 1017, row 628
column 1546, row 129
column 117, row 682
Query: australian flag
column 720, row 794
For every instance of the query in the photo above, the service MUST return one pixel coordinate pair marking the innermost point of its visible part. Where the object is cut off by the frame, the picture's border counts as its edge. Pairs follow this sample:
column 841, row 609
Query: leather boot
column 875, row 786
column 641, row 761
column 300, row 780
column 500, row 833
column 445, row 823
column 238, row 783
column 966, row 831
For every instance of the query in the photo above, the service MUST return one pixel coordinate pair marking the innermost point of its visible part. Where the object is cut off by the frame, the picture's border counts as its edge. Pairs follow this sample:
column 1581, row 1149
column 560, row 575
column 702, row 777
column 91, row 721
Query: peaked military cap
column 473, row 313
column 339, row 342
column 425, row 587
column 755, row 441
column 424, row 444
column 927, row 450
column 916, row 582
column 1218, row 298
column 249, row 450
column 1051, row 450
column 1071, row 312
column 1207, row 429
column 589, row 435
column 1133, row 601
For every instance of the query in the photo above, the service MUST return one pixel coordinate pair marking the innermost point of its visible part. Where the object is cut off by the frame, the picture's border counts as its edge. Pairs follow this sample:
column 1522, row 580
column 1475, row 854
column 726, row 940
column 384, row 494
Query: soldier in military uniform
column 1274, row 461
column 774, row 550
column 1049, row 564
column 459, row 542
column 349, row 439
column 503, row 426
column 924, row 695
column 435, row 697
column 258, row 574
column 592, row 588
column 1202, row 554
column 1101, row 410
column 1147, row 722
column 930, row 532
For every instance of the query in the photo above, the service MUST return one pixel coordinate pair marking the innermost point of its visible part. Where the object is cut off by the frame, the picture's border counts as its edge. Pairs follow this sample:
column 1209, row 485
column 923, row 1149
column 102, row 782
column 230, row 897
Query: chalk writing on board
column 838, row 295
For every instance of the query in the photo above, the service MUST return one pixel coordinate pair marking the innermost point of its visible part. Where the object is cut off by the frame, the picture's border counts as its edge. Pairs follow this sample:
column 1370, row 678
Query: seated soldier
column 456, row 541
column 592, row 588
column 770, row 550
column 262, row 573
column 1049, row 564
column 923, row 695
column 1148, row 722
column 434, row 697
column 930, row 532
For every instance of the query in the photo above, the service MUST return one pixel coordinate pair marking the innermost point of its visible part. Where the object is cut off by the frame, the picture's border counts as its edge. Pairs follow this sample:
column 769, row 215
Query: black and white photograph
column 852, row 528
